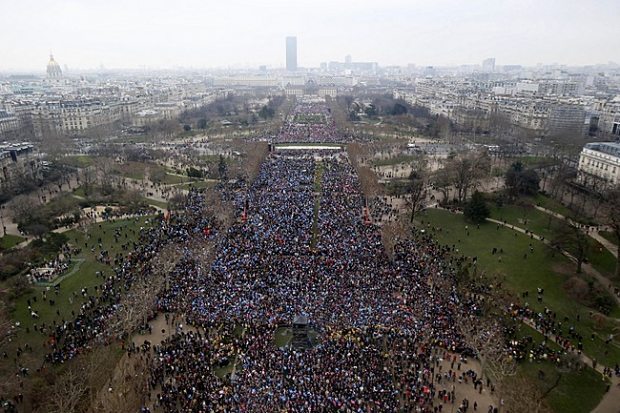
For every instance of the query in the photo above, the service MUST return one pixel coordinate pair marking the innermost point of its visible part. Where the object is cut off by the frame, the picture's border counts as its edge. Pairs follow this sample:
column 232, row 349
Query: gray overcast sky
column 222, row 33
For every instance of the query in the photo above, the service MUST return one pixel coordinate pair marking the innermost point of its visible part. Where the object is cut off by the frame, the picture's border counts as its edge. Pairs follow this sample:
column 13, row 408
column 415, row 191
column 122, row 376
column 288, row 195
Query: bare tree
column 442, row 182
column 560, row 180
column 126, row 390
column 418, row 186
column 138, row 304
column 467, row 170
column 392, row 233
column 568, row 236
column 6, row 327
column 254, row 153
column 68, row 392
column 522, row 396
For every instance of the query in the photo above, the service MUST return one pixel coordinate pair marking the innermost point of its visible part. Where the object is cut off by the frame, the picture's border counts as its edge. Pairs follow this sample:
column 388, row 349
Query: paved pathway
column 613, row 248
column 589, row 269
column 610, row 403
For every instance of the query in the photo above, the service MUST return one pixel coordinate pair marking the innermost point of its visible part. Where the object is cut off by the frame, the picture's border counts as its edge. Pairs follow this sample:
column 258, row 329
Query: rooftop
column 611, row 148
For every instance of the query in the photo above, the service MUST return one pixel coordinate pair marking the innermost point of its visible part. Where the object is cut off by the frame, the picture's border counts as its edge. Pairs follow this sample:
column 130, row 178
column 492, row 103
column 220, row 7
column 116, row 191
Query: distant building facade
column 17, row 160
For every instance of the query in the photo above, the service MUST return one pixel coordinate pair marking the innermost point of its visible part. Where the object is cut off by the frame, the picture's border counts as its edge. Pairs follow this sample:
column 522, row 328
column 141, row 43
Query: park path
column 588, row 268
column 593, row 234
column 610, row 403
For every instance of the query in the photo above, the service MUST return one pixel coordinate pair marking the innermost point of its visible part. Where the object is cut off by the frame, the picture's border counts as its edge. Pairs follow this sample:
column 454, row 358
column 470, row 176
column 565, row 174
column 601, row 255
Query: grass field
column 577, row 392
column 609, row 236
column 519, row 274
column 551, row 204
column 78, row 161
column 170, row 179
column 527, row 217
column 9, row 241
column 66, row 301
column 161, row 204
column 198, row 184
column 568, row 397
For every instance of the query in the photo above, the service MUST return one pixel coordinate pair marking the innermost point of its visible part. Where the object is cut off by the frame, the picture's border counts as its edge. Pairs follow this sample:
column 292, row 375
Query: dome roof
column 53, row 68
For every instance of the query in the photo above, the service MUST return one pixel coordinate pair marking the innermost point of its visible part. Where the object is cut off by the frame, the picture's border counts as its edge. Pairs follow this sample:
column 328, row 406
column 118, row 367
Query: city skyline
column 244, row 34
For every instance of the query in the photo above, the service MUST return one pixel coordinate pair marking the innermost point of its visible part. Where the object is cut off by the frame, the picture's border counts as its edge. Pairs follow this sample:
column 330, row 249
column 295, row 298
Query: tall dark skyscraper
column 291, row 53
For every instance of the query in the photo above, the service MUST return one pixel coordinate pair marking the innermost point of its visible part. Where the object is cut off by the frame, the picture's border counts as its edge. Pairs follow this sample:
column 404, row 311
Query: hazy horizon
column 159, row 34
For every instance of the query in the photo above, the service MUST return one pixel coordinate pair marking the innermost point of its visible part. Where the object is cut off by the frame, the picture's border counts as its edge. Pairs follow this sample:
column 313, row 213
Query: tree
column 521, row 181
column 442, row 182
column 222, row 168
column 569, row 237
column 202, row 123
column 370, row 111
column 137, row 304
column 467, row 170
column 266, row 112
column 68, row 392
column 392, row 233
column 476, row 210
column 6, row 326
column 252, row 156
column 177, row 202
column 418, row 186
column 399, row 109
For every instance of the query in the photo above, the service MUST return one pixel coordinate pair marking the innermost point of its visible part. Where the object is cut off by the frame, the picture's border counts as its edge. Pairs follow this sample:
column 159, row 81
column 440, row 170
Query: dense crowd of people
column 303, row 248
column 309, row 123
column 300, row 246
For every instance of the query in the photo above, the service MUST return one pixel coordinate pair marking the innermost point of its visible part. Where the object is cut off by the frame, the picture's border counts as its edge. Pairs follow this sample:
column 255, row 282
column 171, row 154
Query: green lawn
column 577, row 391
column 170, row 179
column 519, row 274
column 198, row 184
column 551, row 204
column 527, row 217
column 136, row 170
column 609, row 236
column 602, row 259
column 535, row 161
column 161, row 204
column 9, row 241
column 79, row 191
column 79, row 161
column 569, row 396
column 85, row 276
column 395, row 160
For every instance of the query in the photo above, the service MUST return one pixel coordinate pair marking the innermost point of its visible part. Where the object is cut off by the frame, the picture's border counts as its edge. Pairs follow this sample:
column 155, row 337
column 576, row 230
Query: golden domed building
column 53, row 69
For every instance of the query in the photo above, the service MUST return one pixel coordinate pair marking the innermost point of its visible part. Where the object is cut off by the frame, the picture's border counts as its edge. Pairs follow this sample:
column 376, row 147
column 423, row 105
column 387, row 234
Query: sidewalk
column 593, row 234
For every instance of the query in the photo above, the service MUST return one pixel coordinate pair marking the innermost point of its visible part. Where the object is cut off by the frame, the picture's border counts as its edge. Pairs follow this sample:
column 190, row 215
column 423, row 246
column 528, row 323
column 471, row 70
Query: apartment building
column 600, row 161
